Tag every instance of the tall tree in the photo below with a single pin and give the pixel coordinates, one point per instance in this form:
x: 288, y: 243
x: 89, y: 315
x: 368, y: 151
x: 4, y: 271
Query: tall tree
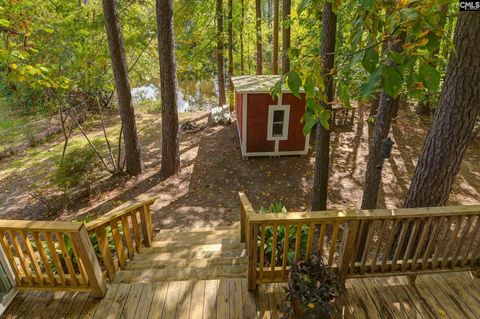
x: 381, y: 129
x: 276, y: 10
x: 230, y: 51
x: 220, y: 60
x: 120, y: 72
x: 168, y: 87
x: 242, y: 24
x: 258, y: 31
x: 454, y: 119
x: 322, y: 150
x: 287, y: 8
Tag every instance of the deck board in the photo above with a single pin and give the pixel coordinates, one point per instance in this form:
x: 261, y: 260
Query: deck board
x: 450, y: 295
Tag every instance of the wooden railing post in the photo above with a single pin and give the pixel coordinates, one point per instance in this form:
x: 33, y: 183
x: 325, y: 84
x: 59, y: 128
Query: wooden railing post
x: 90, y: 262
x: 347, y: 250
x: 242, y: 224
x: 147, y: 230
x: 252, y: 256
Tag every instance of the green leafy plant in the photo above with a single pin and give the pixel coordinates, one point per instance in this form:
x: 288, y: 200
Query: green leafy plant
x: 282, y: 238
x: 75, y: 169
x: 311, y: 288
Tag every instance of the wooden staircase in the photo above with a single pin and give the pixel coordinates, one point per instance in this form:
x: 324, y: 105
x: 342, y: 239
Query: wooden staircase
x: 207, y: 253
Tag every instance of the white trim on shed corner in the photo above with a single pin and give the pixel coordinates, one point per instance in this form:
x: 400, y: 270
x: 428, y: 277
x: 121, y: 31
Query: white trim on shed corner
x: 244, y: 124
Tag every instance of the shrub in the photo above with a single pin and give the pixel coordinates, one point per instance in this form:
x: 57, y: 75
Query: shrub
x: 75, y: 169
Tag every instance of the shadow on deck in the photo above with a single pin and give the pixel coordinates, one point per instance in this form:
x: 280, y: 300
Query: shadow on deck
x: 449, y: 295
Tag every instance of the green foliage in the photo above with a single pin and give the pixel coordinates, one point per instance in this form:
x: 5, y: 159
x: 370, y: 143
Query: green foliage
x: 274, y: 208
x: 279, y: 208
x: 75, y: 169
x: 312, y: 286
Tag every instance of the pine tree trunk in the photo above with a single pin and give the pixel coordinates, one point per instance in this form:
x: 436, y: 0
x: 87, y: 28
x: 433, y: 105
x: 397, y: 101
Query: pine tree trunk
x: 322, y: 151
x: 381, y: 129
x: 276, y: 10
x: 220, y: 74
x: 258, y: 29
x: 230, y: 51
x: 242, y: 22
x: 168, y: 87
x: 133, y: 157
x: 286, y: 7
x: 454, y: 119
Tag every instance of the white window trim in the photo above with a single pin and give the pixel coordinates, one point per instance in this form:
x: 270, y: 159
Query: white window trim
x: 286, y: 122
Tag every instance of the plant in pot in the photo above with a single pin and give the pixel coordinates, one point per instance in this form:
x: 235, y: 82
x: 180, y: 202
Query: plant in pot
x: 312, y: 287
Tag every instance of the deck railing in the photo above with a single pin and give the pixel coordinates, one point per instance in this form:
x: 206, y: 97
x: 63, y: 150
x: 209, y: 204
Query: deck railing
x: 74, y: 256
x: 51, y: 255
x: 397, y: 241
x: 124, y: 231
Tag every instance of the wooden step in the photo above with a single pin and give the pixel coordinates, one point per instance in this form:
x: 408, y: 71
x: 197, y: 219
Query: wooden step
x: 188, y: 254
x: 186, y: 263
x: 174, y: 274
x: 198, y: 235
x: 235, y: 226
x: 167, y: 246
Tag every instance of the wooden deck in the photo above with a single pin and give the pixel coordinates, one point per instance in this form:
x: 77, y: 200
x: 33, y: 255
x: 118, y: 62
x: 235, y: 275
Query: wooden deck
x: 449, y: 295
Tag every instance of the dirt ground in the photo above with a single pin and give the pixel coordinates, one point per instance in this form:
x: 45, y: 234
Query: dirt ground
x: 213, y: 171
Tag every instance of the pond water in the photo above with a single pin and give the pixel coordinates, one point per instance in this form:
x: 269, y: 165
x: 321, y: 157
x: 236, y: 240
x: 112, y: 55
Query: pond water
x: 191, y: 95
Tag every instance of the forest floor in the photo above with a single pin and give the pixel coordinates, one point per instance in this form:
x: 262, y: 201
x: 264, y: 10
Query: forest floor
x: 204, y: 193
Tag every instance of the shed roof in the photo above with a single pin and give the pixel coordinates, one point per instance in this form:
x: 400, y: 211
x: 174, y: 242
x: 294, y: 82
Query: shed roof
x: 255, y: 83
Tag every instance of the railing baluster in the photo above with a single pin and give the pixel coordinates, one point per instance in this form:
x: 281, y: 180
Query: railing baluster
x: 285, y: 250
x: 79, y: 261
x: 439, y: 250
x: 21, y: 256
x: 252, y: 257
x: 128, y: 237
x: 366, y: 248
x: 68, y: 260
x: 32, y: 256
x: 118, y: 244
x: 311, y: 230
x: 273, y: 260
x: 104, y: 246
x: 262, y: 252
x: 136, y: 231
x: 461, y: 241
x: 400, y: 245
x: 321, y: 239
x: 56, y: 261
x: 452, y: 241
x: 411, y: 240
x: 333, y: 243
x: 298, y: 241
x: 476, y: 230
x: 421, y: 241
x: 383, y: 229
x: 388, y: 246
x: 43, y: 256
x: 147, y: 229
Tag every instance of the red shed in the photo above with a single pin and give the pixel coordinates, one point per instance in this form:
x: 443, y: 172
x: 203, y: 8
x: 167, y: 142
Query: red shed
x: 268, y: 126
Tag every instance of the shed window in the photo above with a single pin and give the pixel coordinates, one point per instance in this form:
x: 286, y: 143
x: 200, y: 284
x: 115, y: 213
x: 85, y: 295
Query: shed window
x: 278, y: 116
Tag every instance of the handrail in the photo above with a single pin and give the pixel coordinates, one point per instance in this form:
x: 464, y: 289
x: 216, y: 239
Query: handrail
x: 124, y: 230
x: 51, y: 255
x: 397, y: 241
x: 374, y: 214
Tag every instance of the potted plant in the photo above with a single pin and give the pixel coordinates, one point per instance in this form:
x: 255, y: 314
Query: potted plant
x: 312, y: 287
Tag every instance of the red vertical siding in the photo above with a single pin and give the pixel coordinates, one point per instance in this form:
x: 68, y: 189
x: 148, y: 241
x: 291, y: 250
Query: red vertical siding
x: 257, y: 121
x: 296, y: 139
